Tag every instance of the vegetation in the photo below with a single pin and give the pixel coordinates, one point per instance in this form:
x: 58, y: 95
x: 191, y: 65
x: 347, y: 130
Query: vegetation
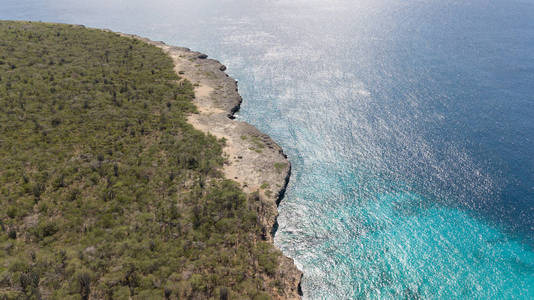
x: 257, y: 141
x: 106, y: 191
x: 280, y: 166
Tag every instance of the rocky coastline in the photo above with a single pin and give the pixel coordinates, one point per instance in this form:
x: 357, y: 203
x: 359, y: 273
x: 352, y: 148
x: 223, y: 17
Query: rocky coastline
x: 253, y: 159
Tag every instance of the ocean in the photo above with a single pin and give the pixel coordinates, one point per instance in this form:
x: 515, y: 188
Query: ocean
x: 409, y: 126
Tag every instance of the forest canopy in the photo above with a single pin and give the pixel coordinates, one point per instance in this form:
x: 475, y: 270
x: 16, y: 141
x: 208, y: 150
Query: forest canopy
x: 105, y: 190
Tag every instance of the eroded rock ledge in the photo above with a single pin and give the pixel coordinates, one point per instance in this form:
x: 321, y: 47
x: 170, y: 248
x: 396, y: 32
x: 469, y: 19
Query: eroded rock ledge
x: 254, y: 160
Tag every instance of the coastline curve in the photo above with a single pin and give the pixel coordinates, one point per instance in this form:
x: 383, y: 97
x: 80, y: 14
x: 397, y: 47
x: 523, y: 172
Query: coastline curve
x: 252, y: 158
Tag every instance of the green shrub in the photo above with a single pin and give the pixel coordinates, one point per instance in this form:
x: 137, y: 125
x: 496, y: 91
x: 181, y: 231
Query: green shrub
x: 109, y: 192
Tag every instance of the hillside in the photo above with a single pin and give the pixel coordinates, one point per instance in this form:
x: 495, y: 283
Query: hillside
x: 106, y: 190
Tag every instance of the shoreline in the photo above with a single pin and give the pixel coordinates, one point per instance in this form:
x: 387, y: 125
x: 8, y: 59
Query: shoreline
x: 253, y: 159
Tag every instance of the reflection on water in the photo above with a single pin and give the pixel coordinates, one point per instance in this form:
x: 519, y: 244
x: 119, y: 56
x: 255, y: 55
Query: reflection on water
x: 408, y: 124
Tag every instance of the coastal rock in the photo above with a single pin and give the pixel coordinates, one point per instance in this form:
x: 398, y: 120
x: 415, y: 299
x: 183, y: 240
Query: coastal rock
x: 262, y: 166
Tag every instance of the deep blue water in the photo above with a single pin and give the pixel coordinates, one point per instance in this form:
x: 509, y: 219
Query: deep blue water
x: 409, y: 124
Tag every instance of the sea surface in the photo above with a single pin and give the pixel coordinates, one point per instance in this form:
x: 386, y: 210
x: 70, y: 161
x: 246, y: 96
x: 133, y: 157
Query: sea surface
x: 409, y: 125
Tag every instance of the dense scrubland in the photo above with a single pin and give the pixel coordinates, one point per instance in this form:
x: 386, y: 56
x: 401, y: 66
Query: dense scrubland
x: 105, y: 190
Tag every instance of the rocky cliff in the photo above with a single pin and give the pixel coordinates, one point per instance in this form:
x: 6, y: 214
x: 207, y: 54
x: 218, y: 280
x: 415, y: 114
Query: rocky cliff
x: 253, y: 159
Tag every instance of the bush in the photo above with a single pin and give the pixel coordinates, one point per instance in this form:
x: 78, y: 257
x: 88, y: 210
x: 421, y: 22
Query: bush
x: 108, y: 191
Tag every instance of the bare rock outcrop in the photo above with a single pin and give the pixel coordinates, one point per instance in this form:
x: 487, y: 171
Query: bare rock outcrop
x: 253, y: 159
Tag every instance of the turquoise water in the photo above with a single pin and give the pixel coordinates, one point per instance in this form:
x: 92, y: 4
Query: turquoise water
x: 409, y: 125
